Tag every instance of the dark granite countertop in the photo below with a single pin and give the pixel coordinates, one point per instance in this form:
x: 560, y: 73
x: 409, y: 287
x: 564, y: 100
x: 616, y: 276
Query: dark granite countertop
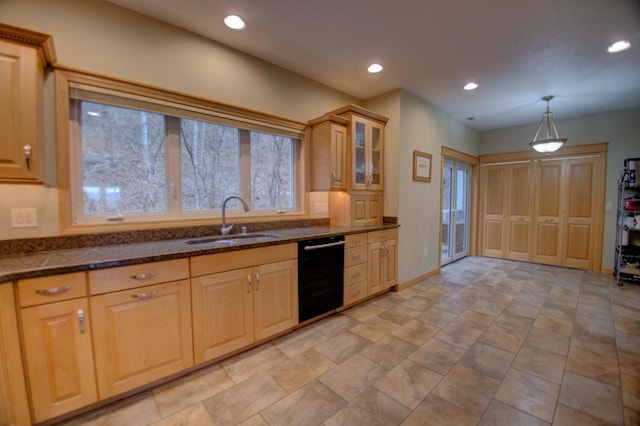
x: 14, y: 267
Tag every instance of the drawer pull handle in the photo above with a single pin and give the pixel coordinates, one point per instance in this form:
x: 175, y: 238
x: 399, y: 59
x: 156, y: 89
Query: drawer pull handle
x: 53, y: 291
x: 145, y: 295
x: 249, y: 280
x: 355, y: 293
x: 548, y: 220
x: 356, y: 275
x: 355, y: 257
x: 81, y: 320
x: 356, y: 241
x: 144, y: 277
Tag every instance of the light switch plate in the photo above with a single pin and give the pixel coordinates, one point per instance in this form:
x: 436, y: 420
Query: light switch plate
x: 24, y: 218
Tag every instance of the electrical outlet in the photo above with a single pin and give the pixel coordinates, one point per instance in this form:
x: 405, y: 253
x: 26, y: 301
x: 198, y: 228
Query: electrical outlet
x: 24, y: 218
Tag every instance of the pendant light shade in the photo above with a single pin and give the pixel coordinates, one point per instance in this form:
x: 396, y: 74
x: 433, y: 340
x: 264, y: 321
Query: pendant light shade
x: 551, y: 142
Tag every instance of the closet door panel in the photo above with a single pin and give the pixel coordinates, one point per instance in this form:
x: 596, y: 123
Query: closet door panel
x: 581, y: 213
x: 521, y: 192
x: 494, y: 211
x: 548, y: 212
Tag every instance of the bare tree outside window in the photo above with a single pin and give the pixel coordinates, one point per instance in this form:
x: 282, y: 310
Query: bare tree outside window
x: 271, y: 171
x: 123, y: 159
x: 209, y: 159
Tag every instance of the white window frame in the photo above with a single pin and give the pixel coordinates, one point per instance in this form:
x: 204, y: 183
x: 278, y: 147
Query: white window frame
x: 73, y: 85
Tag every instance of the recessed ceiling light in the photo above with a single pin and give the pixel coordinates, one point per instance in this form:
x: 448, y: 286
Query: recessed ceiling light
x: 234, y: 22
x: 93, y: 113
x: 374, y: 68
x: 470, y: 86
x: 619, y: 46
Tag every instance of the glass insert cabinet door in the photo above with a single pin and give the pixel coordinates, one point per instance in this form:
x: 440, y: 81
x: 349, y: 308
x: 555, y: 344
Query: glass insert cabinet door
x: 455, y: 211
x: 367, y: 155
x: 359, y: 159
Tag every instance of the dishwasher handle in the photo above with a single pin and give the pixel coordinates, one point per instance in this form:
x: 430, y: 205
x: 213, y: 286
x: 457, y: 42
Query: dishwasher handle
x: 321, y: 246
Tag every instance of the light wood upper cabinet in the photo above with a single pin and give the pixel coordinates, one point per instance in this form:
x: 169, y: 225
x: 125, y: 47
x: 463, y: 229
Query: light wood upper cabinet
x: 144, y: 334
x: 56, y: 333
x: 23, y: 56
x: 329, y: 147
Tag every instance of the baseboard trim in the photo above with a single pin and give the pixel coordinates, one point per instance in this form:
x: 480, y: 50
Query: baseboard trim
x: 417, y: 279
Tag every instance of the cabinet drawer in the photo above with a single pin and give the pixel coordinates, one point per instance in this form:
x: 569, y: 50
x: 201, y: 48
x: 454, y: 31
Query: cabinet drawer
x: 133, y: 276
x: 355, y: 255
x: 385, y: 234
x: 355, y: 273
x: 54, y: 288
x: 355, y: 292
x: 355, y: 240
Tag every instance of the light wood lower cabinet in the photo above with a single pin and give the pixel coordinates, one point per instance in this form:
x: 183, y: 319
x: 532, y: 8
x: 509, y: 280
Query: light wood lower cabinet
x: 144, y: 334
x: 14, y: 406
x: 355, y: 268
x: 57, y: 344
x: 383, y: 260
x: 234, y: 308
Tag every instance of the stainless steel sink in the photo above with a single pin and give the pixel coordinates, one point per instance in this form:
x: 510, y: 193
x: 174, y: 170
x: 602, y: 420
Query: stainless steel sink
x: 229, y: 240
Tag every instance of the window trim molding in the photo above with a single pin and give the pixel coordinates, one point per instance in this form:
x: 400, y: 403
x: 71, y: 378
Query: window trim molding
x: 66, y: 77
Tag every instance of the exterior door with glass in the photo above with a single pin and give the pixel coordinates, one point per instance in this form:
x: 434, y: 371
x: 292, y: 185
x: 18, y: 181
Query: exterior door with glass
x: 455, y: 211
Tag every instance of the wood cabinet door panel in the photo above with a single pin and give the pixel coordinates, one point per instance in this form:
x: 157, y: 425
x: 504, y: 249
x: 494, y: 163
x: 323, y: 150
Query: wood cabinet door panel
x: 59, y: 357
x: 20, y: 84
x: 222, y: 313
x: 578, y: 246
x: 275, y: 298
x: 492, y: 238
x: 338, y: 158
x: 143, y: 335
x: 548, y: 245
x: 519, y: 240
x: 390, y: 264
x: 375, y: 268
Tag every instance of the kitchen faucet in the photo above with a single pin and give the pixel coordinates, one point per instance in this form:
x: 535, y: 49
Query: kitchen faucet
x: 224, y: 229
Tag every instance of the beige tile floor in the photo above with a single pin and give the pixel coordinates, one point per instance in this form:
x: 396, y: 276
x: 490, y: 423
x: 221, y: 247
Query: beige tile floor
x: 488, y: 342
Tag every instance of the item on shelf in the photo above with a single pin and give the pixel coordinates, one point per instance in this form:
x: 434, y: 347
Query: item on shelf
x: 631, y: 174
x: 632, y: 204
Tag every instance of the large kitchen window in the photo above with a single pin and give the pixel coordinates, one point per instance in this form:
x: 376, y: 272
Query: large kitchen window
x: 136, y: 158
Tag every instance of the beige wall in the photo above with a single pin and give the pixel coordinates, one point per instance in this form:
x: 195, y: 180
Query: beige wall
x: 417, y: 125
x: 99, y: 37
x: 621, y: 129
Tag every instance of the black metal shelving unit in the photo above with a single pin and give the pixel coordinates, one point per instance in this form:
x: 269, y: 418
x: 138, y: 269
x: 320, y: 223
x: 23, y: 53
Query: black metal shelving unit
x: 627, y: 256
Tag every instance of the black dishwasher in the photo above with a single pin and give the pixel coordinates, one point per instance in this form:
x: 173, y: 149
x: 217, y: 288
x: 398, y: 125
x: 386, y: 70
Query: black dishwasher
x: 320, y: 275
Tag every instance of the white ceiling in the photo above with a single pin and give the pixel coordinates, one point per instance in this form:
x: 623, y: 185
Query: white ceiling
x: 517, y: 50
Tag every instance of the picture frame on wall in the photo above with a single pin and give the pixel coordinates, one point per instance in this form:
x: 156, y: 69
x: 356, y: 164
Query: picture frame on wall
x: 421, y: 166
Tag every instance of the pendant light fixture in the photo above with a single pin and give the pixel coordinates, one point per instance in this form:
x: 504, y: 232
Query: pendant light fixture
x: 552, y: 142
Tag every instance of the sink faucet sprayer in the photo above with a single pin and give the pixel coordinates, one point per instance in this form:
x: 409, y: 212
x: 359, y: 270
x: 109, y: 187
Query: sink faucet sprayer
x: 224, y: 229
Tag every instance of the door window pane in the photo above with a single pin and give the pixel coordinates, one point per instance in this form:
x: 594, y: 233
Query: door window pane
x: 123, y: 159
x: 446, y: 212
x: 209, y: 163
